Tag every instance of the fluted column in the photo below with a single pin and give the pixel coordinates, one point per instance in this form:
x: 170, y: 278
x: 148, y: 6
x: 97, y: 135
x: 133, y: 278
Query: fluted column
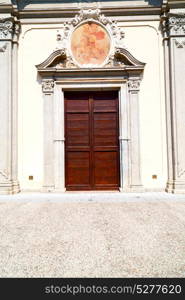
x: 15, y: 44
x: 8, y: 105
x: 174, y: 52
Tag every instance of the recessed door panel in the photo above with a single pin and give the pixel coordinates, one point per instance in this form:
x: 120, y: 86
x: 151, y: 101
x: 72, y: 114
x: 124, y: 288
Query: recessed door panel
x: 106, y: 169
x: 77, y: 126
x: 91, y: 140
x: 105, y: 129
x: 78, y: 173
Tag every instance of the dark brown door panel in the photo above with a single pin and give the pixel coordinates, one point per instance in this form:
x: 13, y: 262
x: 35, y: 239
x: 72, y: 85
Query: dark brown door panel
x: 91, y: 140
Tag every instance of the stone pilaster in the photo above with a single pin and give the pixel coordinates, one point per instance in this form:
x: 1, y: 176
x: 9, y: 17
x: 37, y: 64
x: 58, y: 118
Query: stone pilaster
x: 59, y: 139
x: 8, y: 106
x: 174, y: 52
x: 15, y: 40
x: 135, y: 159
x: 124, y: 138
x: 48, y: 90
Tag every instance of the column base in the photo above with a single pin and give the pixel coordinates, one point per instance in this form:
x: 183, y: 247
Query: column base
x: 9, y: 188
x: 48, y: 189
x: 52, y: 189
x: 59, y: 190
x: 133, y: 189
x: 16, y: 187
x: 175, y: 187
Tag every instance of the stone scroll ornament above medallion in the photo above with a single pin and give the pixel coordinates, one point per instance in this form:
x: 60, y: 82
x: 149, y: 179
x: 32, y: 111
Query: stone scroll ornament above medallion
x: 90, y: 40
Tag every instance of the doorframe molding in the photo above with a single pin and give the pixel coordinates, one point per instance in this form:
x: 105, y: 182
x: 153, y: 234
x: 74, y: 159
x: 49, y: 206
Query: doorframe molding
x: 53, y: 88
x: 121, y: 71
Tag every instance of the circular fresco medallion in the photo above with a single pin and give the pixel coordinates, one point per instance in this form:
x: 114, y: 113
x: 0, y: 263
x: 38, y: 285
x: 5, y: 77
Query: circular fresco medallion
x: 90, y: 44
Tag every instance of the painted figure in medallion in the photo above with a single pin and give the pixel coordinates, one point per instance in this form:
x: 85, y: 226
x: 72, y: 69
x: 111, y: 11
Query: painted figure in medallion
x: 90, y: 44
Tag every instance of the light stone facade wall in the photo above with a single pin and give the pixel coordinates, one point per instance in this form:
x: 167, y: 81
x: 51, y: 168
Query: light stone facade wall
x: 144, y: 41
x: 153, y: 111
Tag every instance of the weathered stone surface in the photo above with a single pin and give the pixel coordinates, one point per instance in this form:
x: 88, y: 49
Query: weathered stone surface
x: 115, y: 235
x: 8, y: 105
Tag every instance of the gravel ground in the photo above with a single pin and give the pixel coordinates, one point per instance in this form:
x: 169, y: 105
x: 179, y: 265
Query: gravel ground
x: 131, y: 238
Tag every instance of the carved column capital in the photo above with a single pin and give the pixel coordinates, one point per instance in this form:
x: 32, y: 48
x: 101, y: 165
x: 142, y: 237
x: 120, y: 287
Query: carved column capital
x: 9, y: 29
x: 16, y: 31
x: 134, y: 86
x: 173, y: 24
x: 164, y: 25
x: 48, y: 86
x: 176, y: 24
x: 6, y: 28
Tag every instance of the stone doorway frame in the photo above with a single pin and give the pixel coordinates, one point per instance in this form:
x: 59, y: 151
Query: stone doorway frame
x: 55, y: 83
x: 121, y: 71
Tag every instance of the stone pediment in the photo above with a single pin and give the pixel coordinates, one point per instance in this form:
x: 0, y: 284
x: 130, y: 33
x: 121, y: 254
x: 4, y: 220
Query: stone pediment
x: 90, y: 41
x: 122, y: 58
x: 56, y: 60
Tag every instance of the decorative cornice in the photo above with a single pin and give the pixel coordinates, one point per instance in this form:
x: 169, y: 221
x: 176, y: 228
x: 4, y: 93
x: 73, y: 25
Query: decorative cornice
x: 125, y: 9
x: 48, y: 86
x: 134, y: 85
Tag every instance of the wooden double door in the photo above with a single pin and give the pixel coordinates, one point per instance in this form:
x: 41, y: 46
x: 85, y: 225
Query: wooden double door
x: 91, y: 140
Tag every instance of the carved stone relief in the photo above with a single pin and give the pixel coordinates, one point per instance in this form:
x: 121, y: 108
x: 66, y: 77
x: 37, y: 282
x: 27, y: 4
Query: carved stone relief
x: 3, y: 48
x: 47, y: 86
x: 133, y: 85
x: 176, y: 24
x: 6, y: 28
x: 4, y: 176
x: 105, y: 42
x: 181, y: 172
x: 88, y: 17
x: 180, y: 44
x: 173, y: 24
x: 9, y: 28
